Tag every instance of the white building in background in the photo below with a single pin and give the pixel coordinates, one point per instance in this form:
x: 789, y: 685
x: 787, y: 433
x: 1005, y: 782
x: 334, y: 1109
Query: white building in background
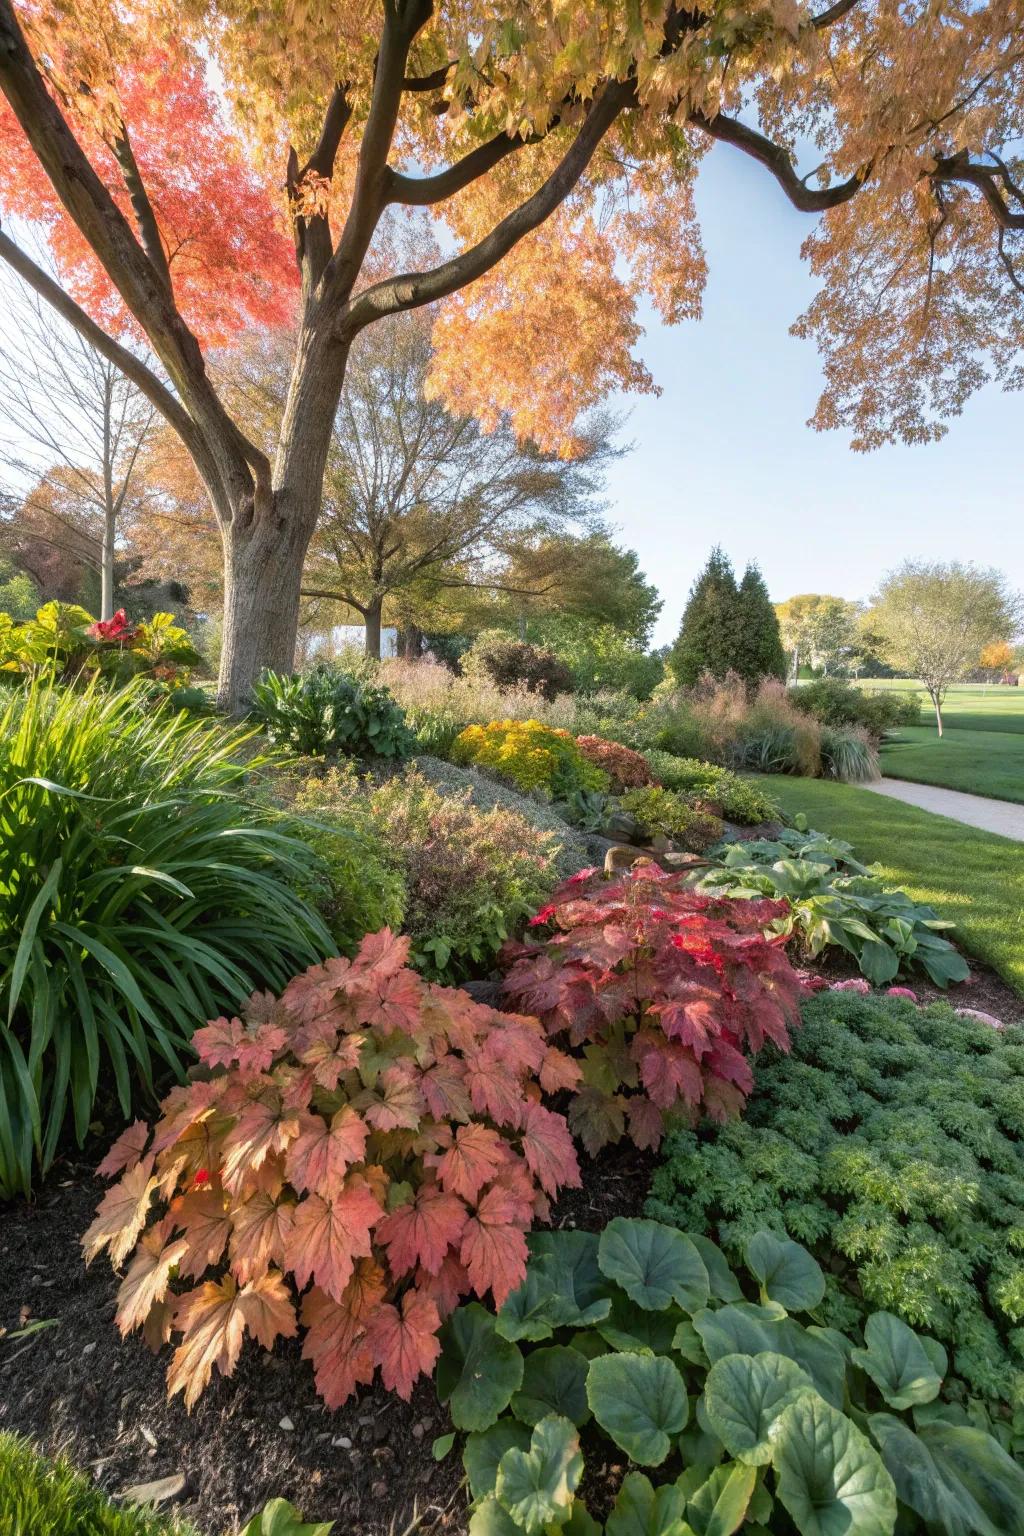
x: 352, y: 636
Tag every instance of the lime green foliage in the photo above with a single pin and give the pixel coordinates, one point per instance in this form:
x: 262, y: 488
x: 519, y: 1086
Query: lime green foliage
x: 19, y: 597
x: 600, y: 656
x: 725, y: 1410
x: 140, y: 894
x: 329, y: 712
x: 835, y: 900
x: 357, y: 885
x: 890, y: 1142
x: 533, y: 756
x: 44, y: 1498
x: 741, y: 800
x: 279, y: 1518
x: 972, y: 877
x: 670, y: 814
x: 65, y: 638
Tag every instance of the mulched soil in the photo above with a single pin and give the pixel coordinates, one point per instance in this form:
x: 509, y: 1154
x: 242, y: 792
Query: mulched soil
x: 78, y: 1389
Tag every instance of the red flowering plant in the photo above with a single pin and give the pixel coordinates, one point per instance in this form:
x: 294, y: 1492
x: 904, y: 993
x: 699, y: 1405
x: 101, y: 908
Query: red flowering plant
x: 662, y: 991
x: 115, y: 628
x: 353, y: 1158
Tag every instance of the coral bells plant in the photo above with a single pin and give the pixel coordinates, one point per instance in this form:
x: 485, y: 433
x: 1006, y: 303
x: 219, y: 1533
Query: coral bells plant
x: 625, y: 768
x: 664, y: 991
x: 354, y: 1158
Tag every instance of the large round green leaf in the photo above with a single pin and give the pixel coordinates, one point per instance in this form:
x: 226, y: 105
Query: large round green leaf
x: 719, y: 1507
x: 485, y: 1448
x: 724, y: 1285
x: 640, y: 1400
x: 926, y: 1484
x: 748, y: 1329
x: 787, y: 1272
x: 745, y: 1394
x: 631, y: 1327
x: 992, y: 1478
x: 489, y: 1519
x: 478, y: 1370
x: 829, y: 1476
x: 897, y: 1361
x: 654, y: 1264
x: 536, y: 1487
x: 554, y: 1381
x: 641, y: 1510
x: 564, y: 1287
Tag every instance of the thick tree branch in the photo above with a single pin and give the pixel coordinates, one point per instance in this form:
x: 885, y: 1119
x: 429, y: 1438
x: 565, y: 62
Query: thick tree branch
x: 423, y: 84
x: 422, y: 191
x: 314, y: 243
x: 145, y: 218
x: 959, y: 168
x: 833, y: 14
x: 776, y: 159
x: 412, y: 289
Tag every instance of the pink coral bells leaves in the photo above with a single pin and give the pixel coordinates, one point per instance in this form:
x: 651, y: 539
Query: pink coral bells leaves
x: 354, y: 1160
x: 666, y: 991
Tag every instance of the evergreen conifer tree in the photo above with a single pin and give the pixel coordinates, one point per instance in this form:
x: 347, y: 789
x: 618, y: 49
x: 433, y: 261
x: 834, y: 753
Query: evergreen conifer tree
x: 761, y: 652
x: 708, y: 639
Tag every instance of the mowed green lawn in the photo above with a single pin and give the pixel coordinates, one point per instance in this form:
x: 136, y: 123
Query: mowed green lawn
x: 980, y: 751
x: 972, y: 877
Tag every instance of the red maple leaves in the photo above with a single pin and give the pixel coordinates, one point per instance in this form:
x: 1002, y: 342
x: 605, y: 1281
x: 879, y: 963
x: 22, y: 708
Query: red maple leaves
x: 371, y: 1141
x: 666, y: 989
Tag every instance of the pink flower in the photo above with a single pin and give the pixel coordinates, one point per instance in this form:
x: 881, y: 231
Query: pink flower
x: 906, y: 992
x: 858, y: 984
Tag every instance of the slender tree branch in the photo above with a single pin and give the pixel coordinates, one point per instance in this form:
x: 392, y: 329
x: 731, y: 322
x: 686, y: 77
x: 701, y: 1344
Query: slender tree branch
x: 145, y: 218
x: 834, y: 13
x: 423, y: 84
x: 960, y: 168
x: 313, y: 241
x: 422, y: 191
x: 1007, y: 261
x: 776, y: 159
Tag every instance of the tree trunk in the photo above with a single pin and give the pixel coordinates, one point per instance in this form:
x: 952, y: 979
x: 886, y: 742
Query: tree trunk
x: 371, y: 615
x: 262, y: 576
x: 938, y: 711
x: 107, y: 562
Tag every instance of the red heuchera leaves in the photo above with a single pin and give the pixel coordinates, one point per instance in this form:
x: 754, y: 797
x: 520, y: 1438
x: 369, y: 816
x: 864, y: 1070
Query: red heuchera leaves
x: 625, y: 768
x: 363, y: 1153
x: 667, y: 991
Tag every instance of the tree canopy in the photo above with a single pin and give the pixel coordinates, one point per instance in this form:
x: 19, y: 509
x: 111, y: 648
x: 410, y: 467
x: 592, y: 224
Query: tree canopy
x: 559, y: 145
x: 935, y: 620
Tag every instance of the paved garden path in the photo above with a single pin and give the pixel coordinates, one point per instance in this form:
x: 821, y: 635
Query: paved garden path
x: 1000, y: 816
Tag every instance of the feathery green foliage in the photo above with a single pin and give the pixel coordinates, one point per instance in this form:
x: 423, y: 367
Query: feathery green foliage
x: 139, y: 896
x: 890, y: 1142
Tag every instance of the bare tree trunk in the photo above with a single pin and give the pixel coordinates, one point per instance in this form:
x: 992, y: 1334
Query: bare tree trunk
x: 107, y: 562
x: 262, y: 575
x: 371, y: 616
x: 938, y: 710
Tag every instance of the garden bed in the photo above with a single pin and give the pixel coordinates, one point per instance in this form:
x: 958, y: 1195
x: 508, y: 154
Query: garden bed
x: 77, y: 1388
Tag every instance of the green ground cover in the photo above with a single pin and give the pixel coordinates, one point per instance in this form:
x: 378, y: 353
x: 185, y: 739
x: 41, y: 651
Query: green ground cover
x: 44, y: 1498
x: 979, y: 762
x: 973, y: 877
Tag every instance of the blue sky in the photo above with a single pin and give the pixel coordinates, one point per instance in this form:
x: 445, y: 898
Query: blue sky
x: 724, y: 453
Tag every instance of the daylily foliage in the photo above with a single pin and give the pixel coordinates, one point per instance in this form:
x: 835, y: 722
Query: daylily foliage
x: 352, y: 1158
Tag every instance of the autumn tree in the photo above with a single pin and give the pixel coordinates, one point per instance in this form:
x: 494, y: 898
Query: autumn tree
x: 558, y: 144
x: 934, y: 620
x: 69, y: 455
x: 997, y: 657
x: 818, y: 629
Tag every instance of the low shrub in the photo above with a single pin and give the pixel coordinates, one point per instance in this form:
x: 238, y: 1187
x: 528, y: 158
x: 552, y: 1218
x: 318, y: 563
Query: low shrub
x: 602, y: 657
x: 832, y: 701
x: 45, y: 1498
x: 323, y: 712
x: 885, y: 931
x: 848, y: 753
x: 369, y: 1132
x: 67, y: 641
x: 737, y: 1413
x: 889, y: 1141
x: 510, y: 663
x: 664, y: 988
x: 740, y: 800
x: 531, y: 755
x: 140, y: 893
x: 672, y: 815
x: 625, y: 769
x: 471, y: 877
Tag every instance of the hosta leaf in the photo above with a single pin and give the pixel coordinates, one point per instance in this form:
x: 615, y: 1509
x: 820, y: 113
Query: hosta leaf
x: 484, y: 1450
x: 719, y: 1506
x: 536, y: 1487
x: 745, y: 1394
x: 641, y: 1510
x: 489, y: 1519
x: 828, y: 1475
x: 554, y: 1381
x: 925, y: 1483
x: 654, y: 1264
x: 478, y: 1370
x: 640, y: 1400
x: 787, y: 1273
x: 897, y: 1362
